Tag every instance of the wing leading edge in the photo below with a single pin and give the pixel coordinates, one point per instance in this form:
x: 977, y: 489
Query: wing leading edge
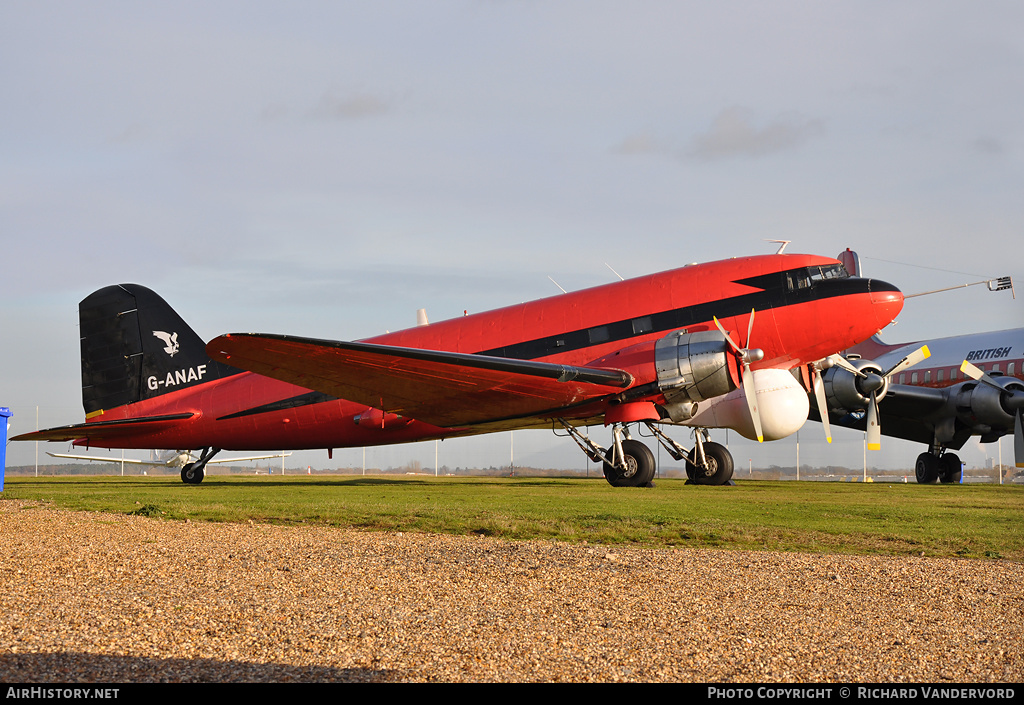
x: 445, y: 389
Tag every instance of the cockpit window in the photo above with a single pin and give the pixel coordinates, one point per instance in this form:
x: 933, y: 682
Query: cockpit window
x: 831, y: 271
x: 800, y: 279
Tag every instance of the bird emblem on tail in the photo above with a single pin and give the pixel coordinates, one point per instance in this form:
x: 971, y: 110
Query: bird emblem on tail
x: 170, y: 341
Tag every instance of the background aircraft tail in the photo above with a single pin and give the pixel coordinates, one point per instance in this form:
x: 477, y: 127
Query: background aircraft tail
x: 136, y: 347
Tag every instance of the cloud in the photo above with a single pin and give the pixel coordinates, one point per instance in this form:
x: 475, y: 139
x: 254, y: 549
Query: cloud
x: 733, y: 134
x: 334, y: 106
x: 641, y: 144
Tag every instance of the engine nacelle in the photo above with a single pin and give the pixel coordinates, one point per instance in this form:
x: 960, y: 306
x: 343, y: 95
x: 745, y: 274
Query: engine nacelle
x: 847, y: 392
x: 979, y: 405
x: 782, y: 404
x: 692, y: 367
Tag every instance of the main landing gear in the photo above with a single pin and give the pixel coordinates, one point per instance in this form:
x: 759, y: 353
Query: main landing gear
x: 630, y: 463
x: 938, y: 465
x: 194, y: 472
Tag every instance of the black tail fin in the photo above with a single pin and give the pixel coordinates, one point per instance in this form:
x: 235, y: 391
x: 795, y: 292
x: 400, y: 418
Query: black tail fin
x: 135, y: 347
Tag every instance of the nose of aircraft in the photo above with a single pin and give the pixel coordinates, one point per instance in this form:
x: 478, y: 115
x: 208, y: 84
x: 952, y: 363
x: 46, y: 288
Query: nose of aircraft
x: 887, y: 301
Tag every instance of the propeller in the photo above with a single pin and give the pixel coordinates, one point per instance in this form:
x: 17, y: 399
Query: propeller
x: 871, y: 383
x: 1016, y: 403
x: 819, y: 396
x: 746, y: 356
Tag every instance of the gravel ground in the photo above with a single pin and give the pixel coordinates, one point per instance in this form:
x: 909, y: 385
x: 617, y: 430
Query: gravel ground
x: 110, y: 598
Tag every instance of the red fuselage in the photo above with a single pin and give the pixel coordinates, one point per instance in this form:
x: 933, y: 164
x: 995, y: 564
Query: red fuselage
x: 801, y: 316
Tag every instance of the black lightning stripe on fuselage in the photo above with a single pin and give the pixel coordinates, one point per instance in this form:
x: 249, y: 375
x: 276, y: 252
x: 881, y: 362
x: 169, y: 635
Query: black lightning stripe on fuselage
x: 773, y: 293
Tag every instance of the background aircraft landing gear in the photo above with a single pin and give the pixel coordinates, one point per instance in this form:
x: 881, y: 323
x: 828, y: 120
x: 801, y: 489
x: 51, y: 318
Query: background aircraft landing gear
x: 926, y: 469
x: 950, y: 468
x: 932, y: 467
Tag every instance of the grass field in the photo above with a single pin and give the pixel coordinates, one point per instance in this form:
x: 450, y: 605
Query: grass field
x: 977, y: 521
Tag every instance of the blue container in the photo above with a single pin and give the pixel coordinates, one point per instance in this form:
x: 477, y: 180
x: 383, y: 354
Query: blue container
x: 5, y: 414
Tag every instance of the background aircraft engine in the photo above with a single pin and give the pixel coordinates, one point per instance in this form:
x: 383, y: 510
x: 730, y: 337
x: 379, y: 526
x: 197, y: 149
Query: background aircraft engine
x: 692, y: 367
x: 846, y: 391
x: 782, y: 402
x: 979, y: 405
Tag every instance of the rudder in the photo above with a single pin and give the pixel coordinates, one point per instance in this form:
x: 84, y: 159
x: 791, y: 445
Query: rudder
x: 136, y: 347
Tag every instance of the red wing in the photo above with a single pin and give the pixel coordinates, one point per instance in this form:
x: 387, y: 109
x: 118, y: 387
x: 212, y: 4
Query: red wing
x: 99, y: 431
x: 441, y: 388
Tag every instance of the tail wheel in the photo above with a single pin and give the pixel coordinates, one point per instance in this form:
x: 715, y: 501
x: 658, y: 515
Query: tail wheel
x: 639, y: 470
x: 926, y: 469
x: 192, y: 475
x: 719, y: 466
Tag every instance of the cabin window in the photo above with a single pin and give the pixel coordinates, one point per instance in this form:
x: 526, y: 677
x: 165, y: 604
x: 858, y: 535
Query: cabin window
x: 913, y: 378
x: 940, y: 376
x: 642, y: 325
x: 928, y: 377
x: 598, y: 335
x: 995, y: 367
x: 1009, y: 369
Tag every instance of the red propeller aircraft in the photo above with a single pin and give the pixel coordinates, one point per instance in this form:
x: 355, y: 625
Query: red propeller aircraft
x: 677, y: 347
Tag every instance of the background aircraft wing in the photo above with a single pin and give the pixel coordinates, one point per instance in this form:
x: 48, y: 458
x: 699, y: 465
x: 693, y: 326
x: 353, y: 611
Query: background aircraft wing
x: 905, y: 412
x: 441, y: 388
x: 98, y: 431
x: 107, y: 459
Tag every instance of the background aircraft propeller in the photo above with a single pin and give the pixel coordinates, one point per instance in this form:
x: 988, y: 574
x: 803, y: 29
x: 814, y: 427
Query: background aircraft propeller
x: 746, y: 356
x: 1014, y: 401
x: 871, y: 382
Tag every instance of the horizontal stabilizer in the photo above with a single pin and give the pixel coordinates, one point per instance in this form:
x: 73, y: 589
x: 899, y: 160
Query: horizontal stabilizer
x: 445, y: 389
x: 98, y: 431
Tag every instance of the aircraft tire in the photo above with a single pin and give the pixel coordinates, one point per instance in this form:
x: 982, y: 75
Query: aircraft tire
x: 720, y: 466
x: 639, y: 466
x: 927, y: 469
x: 192, y: 476
x: 950, y: 468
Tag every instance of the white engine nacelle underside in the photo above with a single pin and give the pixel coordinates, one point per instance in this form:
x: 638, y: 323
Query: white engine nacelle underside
x: 782, y: 404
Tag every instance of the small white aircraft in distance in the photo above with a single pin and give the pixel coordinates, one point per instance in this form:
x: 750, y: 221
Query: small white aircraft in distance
x: 176, y: 459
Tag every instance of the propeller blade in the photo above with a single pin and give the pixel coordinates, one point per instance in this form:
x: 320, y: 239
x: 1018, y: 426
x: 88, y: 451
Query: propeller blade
x: 841, y: 361
x: 736, y: 348
x: 1018, y: 440
x: 975, y: 372
x: 750, y: 327
x: 751, y: 394
x: 819, y: 396
x: 922, y: 353
x: 873, y: 429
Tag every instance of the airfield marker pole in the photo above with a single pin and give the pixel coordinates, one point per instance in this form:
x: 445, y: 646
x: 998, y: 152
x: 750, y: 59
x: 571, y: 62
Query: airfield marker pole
x: 37, y: 442
x: 5, y: 414
x: 798, y: 456
x: 865, y: 456
x: 999, y: 444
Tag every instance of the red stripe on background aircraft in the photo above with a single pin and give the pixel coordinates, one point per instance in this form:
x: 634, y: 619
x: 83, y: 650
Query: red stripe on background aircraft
x: 677, y: 347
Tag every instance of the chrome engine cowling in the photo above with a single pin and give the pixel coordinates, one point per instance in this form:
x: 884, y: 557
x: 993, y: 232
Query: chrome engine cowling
x: 692, y: 367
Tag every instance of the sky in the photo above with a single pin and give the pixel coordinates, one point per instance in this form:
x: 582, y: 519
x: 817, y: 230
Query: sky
x: 328, y: 168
